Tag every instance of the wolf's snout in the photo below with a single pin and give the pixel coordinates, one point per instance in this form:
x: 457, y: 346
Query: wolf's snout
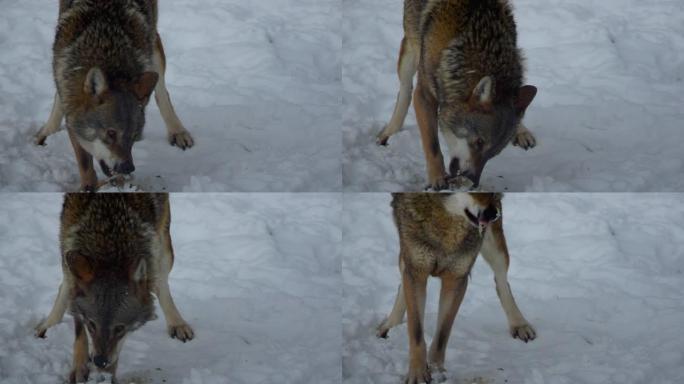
x: 490, y: 214
x: 125, y: 168
x: 456, y: 170
x: 100, y: 361
x: 472, y: 176
x: 454, y: 167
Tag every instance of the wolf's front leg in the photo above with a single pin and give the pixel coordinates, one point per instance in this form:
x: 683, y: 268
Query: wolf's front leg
x: 177, y: 327
x: 415, y: 290
x: 495, y: 252
x: 450, y: 298
x: 395, y: 317
x: 79, y: 372
x: 85, y: 165
x: 177, y: 134
x: 53, y: 124
x: 426, y: 115
x: 57, y: 312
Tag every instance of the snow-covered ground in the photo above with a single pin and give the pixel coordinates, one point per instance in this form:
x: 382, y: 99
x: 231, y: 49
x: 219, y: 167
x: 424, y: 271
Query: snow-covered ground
x: 256, y: 82
x: 601, y: 277
x: 608, y: 116
x: 257, y: 276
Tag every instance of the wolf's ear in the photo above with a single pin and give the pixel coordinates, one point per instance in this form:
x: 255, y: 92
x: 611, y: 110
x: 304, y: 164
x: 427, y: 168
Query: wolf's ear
x: 80, y: 266
x: 144, y: 85
x: 482, y: 95
x: 138, y: 271
x: 526, y: 94
x: 95, y: 83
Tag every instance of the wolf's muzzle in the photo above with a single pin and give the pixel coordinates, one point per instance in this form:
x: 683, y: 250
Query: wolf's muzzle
x: 125, y: 168
x: 100, y: 361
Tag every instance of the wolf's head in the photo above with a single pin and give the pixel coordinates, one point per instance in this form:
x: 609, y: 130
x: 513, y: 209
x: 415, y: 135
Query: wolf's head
x: 110, y: 118
x: 480, y: 209
x: 483, y: 129
x: 112, y: 301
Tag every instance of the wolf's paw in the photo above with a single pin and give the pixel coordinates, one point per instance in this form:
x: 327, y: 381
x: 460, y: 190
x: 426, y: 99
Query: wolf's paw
x: 182, y: 332
x: 40, y: 330
x: 524, y: 332
x: 382, y: 330
x: 182, y: 140
x: 524, y: 139
x: 438, y: 184
x: 79, y: 375
x: 383, y: 137
x: 39, y: 139
x: 438, y: 373
x: 417, y: 376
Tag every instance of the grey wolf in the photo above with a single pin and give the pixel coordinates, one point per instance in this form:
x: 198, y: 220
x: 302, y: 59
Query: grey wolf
x: 441, y: 235
x: 469, y: 85
x: 107, y: 60
x: 116, y: 252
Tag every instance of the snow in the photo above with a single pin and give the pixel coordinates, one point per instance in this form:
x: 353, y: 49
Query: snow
x: 600, y: 277
x: 257, y: 83
x: 608, y: 116
x: 257, y: 276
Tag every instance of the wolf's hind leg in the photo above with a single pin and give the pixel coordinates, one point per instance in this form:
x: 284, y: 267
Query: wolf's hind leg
x: 495, y: 252
x: 57, y: 312
x: 53, y: 124
x: 406, y: 68
x: 177, y: 134
x: 395, y: 317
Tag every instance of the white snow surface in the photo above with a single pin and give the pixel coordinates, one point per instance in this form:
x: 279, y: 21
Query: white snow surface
x: 257, y: 83
x: 257, y: 276
x: 608, y: 115
x: 600, y: 277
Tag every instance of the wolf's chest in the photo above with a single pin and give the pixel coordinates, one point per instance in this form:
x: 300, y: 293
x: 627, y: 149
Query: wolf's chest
x: 457, y: 257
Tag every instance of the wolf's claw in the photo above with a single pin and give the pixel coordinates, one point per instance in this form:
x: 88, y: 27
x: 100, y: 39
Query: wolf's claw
x: 40, y: 140
x: 524, y: 140
x: 181, y: 332
x: 40, y: 332
x: 182, y: 140
x: 382, y: 330
x: 523, y: 332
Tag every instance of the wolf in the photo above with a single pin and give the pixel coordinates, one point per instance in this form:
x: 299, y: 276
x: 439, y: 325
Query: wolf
x: 469, y: 85
x: 116, y: 252
x: 108, y: 58
x: 441, y: 235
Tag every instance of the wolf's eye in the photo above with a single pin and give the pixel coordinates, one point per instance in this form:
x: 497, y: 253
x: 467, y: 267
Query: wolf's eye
x: 479, y: 143
x: 119, y: 329
x: 111, y: 134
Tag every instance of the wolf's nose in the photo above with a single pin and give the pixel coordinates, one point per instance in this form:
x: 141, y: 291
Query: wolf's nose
x: 490, y: 214
x: 454, y: 167
x: 125, y: 168
x: 100, y: 361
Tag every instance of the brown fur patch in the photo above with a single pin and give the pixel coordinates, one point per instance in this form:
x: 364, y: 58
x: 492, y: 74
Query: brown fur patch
x: 144, y: 85
x: 80, y: 267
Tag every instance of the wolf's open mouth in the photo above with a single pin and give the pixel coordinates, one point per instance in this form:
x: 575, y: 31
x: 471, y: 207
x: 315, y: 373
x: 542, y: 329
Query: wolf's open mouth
x: 473, y: 219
